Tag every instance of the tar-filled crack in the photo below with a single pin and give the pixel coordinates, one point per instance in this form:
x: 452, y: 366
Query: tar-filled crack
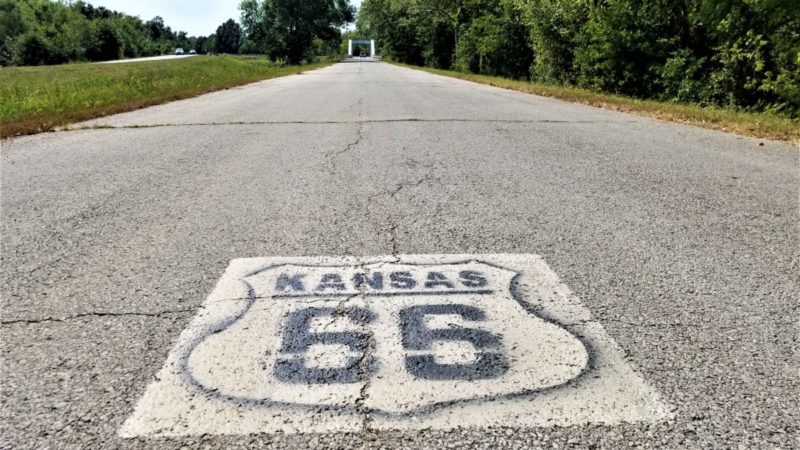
x: 340, y: 309
x: 393, y: 240
x: 363, y: 371
x: 159, y: 314
x: 661, y: 324
x: 364, y: 365
x: 391, y: 194
x: 335, y: 122
x: 645, y: 325
x: 400, y: 186
x: 330, y: 156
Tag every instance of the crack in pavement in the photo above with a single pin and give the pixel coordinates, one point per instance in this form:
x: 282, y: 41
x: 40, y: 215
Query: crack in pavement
x: 159, y: 314
x: 339, y: 310
x: 332, y: 154
x: 363, y: 371
x: 410, y: 184
x: 677, y: 324
x: 363, y: 366
x: 393, y: 239
x: 392, y: 194
x: 336, y: 122
x: 598, y: 320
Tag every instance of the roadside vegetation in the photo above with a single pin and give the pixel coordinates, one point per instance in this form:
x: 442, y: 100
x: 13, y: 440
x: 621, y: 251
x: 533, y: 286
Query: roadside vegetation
x: 48, y: 32
x: 41, y: 98
x: 295, y: 30
x: 45, y: 46
x: 45, y: 32
x: 712, y: 62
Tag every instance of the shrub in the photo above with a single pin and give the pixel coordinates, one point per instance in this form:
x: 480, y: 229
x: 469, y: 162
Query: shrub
x: 34, y: 50
x: 105, y: 43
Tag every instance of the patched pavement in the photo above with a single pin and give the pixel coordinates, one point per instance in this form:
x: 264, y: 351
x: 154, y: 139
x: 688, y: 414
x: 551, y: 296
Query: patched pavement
x: 368, y: 256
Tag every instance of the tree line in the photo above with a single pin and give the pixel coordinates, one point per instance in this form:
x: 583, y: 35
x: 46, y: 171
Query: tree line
x: 296, y: 30
x: 732, y: 53
x: 37, y: 32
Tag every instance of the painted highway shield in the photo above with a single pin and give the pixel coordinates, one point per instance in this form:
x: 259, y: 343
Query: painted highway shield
x: 347, y: 344
x: 414, y: 336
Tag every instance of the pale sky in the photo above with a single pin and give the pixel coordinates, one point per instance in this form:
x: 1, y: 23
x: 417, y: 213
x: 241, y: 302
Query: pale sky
x: 196, y: 17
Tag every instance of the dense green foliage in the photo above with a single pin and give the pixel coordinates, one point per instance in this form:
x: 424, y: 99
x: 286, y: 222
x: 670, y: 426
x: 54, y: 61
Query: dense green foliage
x: 38, y: 98
x: 732, y: 53
x: 37, y: 32
x: 229, y: 37
x: 294, y: 30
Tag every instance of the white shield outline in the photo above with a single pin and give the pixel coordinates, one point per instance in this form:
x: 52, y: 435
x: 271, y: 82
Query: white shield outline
x: 514, y: 292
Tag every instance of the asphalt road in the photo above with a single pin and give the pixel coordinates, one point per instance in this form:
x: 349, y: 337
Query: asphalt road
x: 147, y: 58
x: 681, y: 242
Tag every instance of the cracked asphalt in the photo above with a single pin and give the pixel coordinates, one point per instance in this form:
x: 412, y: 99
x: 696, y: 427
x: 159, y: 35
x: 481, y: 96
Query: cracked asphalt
x: 682, y: 242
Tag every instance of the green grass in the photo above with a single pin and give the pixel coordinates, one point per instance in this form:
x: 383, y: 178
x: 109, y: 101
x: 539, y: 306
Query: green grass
x: 34, y: 99
x: 764, y: 125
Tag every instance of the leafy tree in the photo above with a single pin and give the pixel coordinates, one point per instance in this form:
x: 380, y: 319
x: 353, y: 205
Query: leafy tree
x: 211, y: 43
x: 394, y: 24
x: 200, y: 45
x: 106, y: 44
x: 288, y: 29
x: 12, y: 22
x: 736, y: 53
x: 754, y: 49
x: 182, y: 40
x: 34, y: 50
x: 447, y: 16
x: 157, y: 29
x: 52, y: 32
x: 554, y: 27
x: 229, y: 36
x: 495, y: 42
x: 12, y: 26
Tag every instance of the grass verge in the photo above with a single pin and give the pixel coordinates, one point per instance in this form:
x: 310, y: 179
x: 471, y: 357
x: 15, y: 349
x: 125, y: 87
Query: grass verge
x: 745, y: 123
x: 35, y: 99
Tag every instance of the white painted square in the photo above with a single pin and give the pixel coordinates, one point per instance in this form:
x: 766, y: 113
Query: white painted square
x: 316, y: 344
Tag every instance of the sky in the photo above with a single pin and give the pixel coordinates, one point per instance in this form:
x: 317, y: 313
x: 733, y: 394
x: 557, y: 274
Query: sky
x: 196, y: 17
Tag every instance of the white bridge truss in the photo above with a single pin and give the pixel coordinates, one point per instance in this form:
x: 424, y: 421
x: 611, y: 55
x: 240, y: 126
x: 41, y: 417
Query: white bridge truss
x: 351, y: 42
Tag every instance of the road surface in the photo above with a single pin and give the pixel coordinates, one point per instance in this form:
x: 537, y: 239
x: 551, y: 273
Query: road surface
x: 147, y: 58
x: 682, y: 244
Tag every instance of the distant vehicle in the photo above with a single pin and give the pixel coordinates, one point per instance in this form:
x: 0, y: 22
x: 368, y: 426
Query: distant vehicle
x: 178, y: 51
x: 192, y: 52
